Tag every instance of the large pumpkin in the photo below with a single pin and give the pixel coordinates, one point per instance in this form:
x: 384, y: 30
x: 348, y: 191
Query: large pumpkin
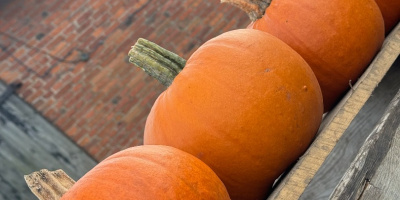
x: 246, y: 104
x: 337, y: 38
x: 391, y: 13
x: 149, y: 172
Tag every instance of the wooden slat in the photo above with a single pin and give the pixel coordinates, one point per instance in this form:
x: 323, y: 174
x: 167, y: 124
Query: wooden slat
x: 12, y: 188
x: 375, y: 172
x: 29, y: 143
x: 36, y: 131
x: 17, y: 148
x: 337, y: 121
x: 344, y: 152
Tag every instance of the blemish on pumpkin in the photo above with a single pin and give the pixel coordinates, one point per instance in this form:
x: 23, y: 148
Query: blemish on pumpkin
x: 267, y: 70
x: 288, y: 96
x: 200, y: 155
x: 305, y: 88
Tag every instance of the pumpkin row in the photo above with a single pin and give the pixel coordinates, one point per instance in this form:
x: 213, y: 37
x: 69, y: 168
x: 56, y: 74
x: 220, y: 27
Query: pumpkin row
x: 247, y: 104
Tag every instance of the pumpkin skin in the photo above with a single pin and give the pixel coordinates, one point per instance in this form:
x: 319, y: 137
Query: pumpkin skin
x: 149, y: 172
x: 337, y: 38
x: 246, y: 104
x: 390, y: 10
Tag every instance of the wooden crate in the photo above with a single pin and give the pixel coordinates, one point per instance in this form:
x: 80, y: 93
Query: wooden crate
x: 337, y: 121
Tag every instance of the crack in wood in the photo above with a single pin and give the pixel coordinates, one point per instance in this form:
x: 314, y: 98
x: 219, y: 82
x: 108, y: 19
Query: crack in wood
x: 364, y: 188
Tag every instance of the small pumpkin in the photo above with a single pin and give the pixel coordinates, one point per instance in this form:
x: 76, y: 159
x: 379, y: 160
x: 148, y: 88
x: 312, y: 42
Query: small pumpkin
x: 337, y: 38
x: 246, y: 104
x: 149, y: 172
x: 391, y: 13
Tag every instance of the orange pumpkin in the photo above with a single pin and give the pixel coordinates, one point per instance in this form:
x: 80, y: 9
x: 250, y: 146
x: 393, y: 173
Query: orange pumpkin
x: 246, y: 104
x: 149, y: 172
x: 337, y: 38
x: 391, y: 13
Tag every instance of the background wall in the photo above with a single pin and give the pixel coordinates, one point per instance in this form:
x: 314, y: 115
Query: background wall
x: 71, y: 57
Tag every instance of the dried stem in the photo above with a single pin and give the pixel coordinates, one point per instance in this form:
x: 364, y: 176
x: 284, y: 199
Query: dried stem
x: 254, y: 8
x: 47, y: 185
x: 156, y: 61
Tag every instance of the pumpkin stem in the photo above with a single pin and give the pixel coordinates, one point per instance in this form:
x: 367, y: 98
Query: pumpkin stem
x: 156, y: 61
x: 49, y: 185
x: 254, y: 8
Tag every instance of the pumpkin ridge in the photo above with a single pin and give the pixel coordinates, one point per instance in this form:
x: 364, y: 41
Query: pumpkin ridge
x: 144, y: 159
x: 161, y: 166
x: 161, y: 172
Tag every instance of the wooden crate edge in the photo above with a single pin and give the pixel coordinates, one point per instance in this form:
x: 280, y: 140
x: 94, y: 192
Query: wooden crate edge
x: 337, y: 121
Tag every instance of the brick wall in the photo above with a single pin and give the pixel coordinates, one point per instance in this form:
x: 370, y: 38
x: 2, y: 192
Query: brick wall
x: 100, y: 103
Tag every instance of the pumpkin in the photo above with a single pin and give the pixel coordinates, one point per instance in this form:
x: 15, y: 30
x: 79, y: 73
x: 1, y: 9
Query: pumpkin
x: 149, y: 172
x: 337, y: 38
x: 246, y: 104
x: 391, y: 13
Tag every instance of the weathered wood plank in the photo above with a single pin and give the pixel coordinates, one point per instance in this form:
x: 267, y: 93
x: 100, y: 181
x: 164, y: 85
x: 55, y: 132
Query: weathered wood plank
x: 339, y: 160
x: 24, y: 153
x: 20, y: 156
x: 337, y: 121
x: 29, y: 143
x: 375, y: 172
x: 38, y: 130
x: 10, y: 187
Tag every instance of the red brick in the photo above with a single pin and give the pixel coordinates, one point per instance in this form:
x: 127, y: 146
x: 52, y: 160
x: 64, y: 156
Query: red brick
x: 94, y: 150
x: 66, y: 87
x: 109, y: 57
x: 9, y: 76
x: 103, y: 153
x: 102, y: 20
x: 83, y: 17
x: 80, y: 94
x: 67, y: 124
x: 52, y: 114
x: 38, y: 104
x: 71, y: 38
x: 86, y: 35
x: 98, y: 32
x: 57, y: 86
x: 55, y: 42
x: 83, y: 141
x: 110, y: 95
x: 61, y: 17
x: 34, y: 96
x: 72, y: 131
x: 136, y: 142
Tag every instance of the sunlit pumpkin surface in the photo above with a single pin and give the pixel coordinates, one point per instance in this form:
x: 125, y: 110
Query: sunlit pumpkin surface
x: 150, y: 172
x: 246, y: 104
x: 337, y: 38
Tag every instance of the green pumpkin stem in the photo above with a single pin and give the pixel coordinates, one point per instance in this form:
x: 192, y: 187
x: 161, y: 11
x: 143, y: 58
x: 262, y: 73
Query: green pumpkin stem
x: 254, y: 8
x: 156, y: 61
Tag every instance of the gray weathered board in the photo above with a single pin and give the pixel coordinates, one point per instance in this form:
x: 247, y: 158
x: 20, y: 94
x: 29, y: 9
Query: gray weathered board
x: 338, y: 161
x: 29, y: 143
x: 375, y: 172
x: 296, y: 183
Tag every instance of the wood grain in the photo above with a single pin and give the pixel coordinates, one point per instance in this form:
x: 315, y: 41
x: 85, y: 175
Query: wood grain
x: 28, y: 143
x: 375, y: 172
x: 49, y: 185
x: 339, y: 160
x: 337, y: 121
